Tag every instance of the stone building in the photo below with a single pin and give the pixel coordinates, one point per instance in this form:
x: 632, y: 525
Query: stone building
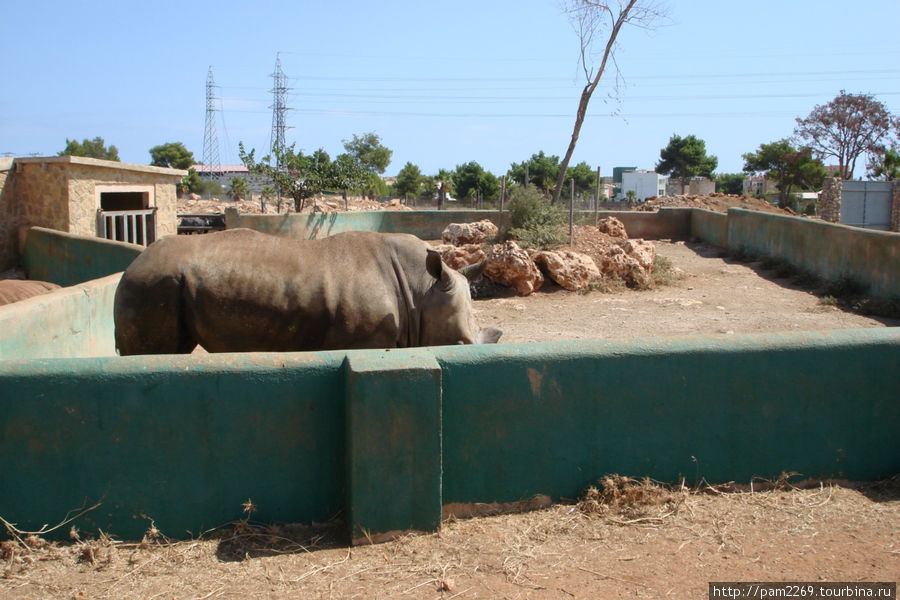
x: 86, y: 196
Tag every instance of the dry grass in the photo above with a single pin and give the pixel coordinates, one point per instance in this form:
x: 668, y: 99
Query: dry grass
x: 625, y: 538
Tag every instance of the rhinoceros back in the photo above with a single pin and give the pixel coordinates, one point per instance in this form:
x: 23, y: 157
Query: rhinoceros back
x: 241, y: 290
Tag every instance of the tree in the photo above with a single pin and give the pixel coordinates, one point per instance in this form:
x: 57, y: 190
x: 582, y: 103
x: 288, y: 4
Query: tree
x: 533, y: 220
x: 730, y: 183
x: 787, y: 166
x: 470, y: 179
x: 268, y: 192
x: 191, y: 182
x: 238, y: 188
x: 173, y: 155
x: 298, y: 176
x: 588, y: 17
x: 542, y: 171
x: 370, y: 152
x: 885, y: 165
x: 444, y: 182
x: 585, y: 177
x: 347, y: 174
x: 409, y: 179
x: 94, y: 148
x: 845, y: 128
x: 685, y: 157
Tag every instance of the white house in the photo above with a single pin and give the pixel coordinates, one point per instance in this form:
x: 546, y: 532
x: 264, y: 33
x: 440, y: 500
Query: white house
x: 644, y: 184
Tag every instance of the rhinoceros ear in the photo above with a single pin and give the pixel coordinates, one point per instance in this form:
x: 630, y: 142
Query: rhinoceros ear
x: 438, y: 270
x: 473, y: 272
x: 433, y: 263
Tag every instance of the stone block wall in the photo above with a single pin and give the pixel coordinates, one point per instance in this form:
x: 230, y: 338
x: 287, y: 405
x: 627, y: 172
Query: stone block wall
x: 895, y: 207
x: 61, y: 193
x: 7, y: 237
x: 830, y: 200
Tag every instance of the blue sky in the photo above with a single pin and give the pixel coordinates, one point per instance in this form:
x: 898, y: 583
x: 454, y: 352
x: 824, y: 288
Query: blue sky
x: 441, y: 83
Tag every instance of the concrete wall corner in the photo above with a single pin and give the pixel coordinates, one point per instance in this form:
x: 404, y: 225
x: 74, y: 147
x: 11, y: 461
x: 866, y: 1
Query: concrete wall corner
x: 394, y: 468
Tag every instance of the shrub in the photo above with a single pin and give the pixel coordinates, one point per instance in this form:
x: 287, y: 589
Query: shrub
x: 533, y: 221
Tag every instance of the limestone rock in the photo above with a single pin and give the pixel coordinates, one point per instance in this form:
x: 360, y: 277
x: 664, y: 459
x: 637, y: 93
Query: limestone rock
x: 613, y: 227
x: 460, y: 234
x: 642, y: 251
x: 458, y: 257
x: 509, y: 265
x: 617, y: 262
x: 572, y: 270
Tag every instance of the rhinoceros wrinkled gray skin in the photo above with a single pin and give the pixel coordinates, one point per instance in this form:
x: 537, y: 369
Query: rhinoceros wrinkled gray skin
x: 244, y: 291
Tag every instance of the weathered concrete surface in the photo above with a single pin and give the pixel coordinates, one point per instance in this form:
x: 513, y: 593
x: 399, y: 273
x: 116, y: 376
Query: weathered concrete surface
x: 827, y: 249
x: 71, y: 322
x: 68, y: 259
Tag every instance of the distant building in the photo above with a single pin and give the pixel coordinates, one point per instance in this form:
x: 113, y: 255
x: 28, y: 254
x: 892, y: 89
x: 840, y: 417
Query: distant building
x: 757, y: 184
x: 85, y: 196
x: 644, y: 184
x: 695, y: 186
x: 618, y: 171
x: 225, y: 173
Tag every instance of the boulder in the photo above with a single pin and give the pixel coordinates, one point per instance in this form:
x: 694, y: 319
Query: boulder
x: 616, y: 262
x: 511, y: 266
x: 458, y: 257
x: 460, y: 234
x: 642, y: 251
x: 613, y: 227
x: 572, y: 270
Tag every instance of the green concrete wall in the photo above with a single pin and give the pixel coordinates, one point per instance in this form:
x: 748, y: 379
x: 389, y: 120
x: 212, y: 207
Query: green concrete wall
x: 710, y: 226
x: 426, y: 224
x: 72, y: 322
x: 526, y: 419
x: 180, y: 440
x: 68, y: 259
x: 186, y: 440
x: 667, y: 223
x: 830, y: 250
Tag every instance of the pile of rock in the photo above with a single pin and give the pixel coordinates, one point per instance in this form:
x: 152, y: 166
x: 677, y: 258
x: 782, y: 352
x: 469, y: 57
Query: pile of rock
x: 602, y: 251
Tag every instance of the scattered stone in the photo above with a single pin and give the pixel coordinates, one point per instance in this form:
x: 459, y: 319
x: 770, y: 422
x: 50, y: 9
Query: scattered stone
x: 572, y: 270
x: 460, y: 234
x: 511, y: 266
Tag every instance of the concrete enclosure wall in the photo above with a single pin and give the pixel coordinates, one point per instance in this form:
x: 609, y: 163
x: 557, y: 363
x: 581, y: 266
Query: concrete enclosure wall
x: 428, y: 224
x: 829, y: 250
x: 67, y: 259
x: 391, y: 436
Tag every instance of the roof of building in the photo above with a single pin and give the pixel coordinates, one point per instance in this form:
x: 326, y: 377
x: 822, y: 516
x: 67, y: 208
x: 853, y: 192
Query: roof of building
x: 97, y: 162
x: 221, y: 169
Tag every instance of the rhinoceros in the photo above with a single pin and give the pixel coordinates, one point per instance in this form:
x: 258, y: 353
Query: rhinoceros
x: 243, y: 291
x: 14, y: 290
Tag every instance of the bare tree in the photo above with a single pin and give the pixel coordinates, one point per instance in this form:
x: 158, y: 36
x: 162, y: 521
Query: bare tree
x: 845, y: 128
x: 590, y: 19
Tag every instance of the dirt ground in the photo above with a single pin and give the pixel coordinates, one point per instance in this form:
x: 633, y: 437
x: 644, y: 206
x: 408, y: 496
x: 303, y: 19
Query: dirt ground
x: 714, y: 295
x: 662, y: 544
x: 669, y: 546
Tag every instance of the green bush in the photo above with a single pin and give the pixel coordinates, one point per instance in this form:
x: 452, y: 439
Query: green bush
x: 533, y: 221
x: 208, y: 187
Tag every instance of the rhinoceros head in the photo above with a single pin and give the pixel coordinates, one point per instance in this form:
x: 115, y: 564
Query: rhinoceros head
x: 447, y: 307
